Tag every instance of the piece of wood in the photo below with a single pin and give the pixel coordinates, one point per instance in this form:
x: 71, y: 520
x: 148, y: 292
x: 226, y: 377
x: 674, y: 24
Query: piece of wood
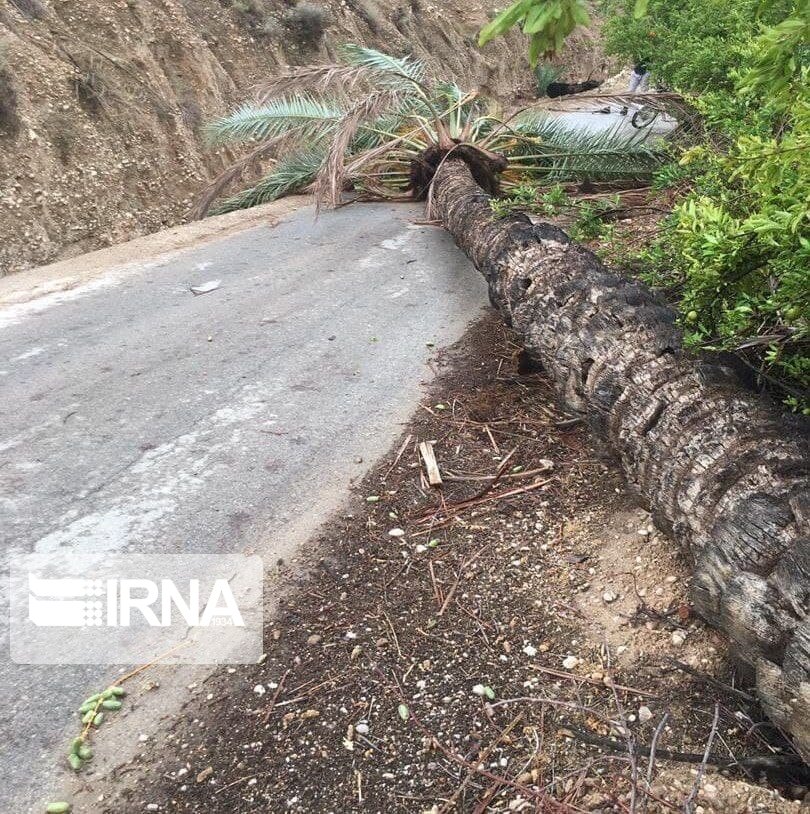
x: 431, y: 465
x: 722, y: 469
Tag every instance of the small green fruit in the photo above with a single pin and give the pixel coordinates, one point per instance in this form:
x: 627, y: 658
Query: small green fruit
x: 692, y: 316
x: 85, y: 752
x: 111, y: 703
x: 98, y: 719
x: 75, y: 762
x: 118, y: 692
x: 89, y: 715
x: 59, y: 807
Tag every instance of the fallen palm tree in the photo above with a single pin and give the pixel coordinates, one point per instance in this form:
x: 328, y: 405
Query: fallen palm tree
x: 379, y: 125
x: 719, y: 467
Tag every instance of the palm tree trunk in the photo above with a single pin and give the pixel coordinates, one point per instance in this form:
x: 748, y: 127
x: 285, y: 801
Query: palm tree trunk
x: 719, y: 467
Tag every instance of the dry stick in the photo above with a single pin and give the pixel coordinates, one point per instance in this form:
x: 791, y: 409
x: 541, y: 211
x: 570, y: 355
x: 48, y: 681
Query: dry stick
x: 450, y: 475
x: 688, y: 805
x: 453, y: 587
x: 484, y: 802
x: 492, y: 440
x: 525, y: 790
x: 436, y: 590
x: 478, y: 499
x: 595, y: 681
x: 653, y: 746
x: 272, y: 705
x: 630, y: 739
x: 453, y: 507
x: 128, y: 676
x: 480, y: 760
x: 707, y: 679
x: 399, y: 455
x: 394, y: 634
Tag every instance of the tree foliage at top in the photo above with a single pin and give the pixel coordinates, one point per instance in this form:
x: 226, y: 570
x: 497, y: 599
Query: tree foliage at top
x: 736, y: 251
x: 547, y: 23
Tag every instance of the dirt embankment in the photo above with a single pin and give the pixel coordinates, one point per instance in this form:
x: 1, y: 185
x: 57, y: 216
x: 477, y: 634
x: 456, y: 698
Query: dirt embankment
x: 102, y: 102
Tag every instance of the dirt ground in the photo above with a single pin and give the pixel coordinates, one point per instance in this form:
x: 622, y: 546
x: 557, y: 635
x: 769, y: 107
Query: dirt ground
x: 510, y: 643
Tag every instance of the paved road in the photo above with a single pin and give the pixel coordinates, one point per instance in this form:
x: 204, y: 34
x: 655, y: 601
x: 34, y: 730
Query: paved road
x: 135, y: 414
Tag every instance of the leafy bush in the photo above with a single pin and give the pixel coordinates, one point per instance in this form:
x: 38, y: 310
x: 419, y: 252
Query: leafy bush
x: 30, y: 9
x: 307, y: 23
x: 9, y: 119
x: 544, y: 75
x: 735, y: 253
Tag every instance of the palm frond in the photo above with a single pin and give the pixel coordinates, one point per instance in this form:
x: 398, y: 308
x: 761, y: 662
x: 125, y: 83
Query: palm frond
x: 294, y: 173
x: 233, y: 174
x: 392, y: 70
x: 275, y: 118
x: 319, y: 78
x: 330, y: 180
x: 547, y: 146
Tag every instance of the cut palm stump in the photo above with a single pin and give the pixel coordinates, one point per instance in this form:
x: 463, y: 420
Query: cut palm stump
x: 719, y: 467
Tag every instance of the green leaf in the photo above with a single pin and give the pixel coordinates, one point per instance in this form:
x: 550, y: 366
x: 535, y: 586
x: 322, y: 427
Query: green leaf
x: 504, y: 21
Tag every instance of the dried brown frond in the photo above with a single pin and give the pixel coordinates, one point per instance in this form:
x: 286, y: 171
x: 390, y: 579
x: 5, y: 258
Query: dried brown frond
x: 314, y: 77
x: 330, y: 180
x: 360, y: 160
x: 235, y: 172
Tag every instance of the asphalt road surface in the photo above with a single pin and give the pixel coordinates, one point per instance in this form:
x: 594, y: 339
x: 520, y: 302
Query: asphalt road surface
x: 137, y: 416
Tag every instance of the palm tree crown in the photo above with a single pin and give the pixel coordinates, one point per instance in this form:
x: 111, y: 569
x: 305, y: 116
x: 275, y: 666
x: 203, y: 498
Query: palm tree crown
x: 378, y: 124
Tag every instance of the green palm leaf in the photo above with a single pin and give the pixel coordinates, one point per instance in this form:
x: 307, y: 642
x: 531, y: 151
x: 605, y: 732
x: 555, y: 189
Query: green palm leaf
x: 396, y: 70
x: 292, y: 174
x: 301, y: 112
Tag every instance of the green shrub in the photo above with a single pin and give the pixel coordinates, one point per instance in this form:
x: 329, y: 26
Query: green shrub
x: 9, y: 119
x: 735, y: 252
x: 307, y: 23
x: 30, y: 9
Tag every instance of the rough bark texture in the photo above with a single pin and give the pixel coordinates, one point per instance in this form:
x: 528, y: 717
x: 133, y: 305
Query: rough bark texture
x: 719, y: 467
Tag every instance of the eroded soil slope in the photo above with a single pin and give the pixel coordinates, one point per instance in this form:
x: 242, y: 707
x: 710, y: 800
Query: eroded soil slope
x: 102, y: 101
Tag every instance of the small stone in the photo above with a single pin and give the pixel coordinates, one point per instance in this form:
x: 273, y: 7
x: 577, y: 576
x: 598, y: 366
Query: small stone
x: 570, y: 662
x: 530, y: 651
x: 361, y: 728
x: 259, y: 689
x: 479, y: 689
x: 205, y: 774
x: 643, y: 533
x: 396, y: 532
x: 644, y: 714
x: 678, y: 638
x: 314, y: 639
x: 609, y: 596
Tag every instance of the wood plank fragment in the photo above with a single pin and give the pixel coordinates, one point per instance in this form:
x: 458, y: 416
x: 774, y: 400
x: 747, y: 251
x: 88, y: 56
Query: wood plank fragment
x: 431, y: 465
